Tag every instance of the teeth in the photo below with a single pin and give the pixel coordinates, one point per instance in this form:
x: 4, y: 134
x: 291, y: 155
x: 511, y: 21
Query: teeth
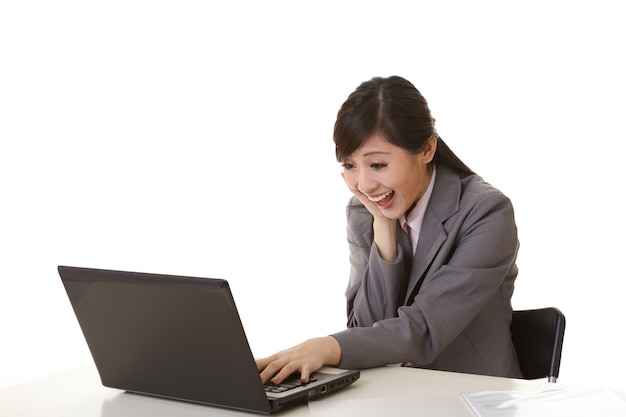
x: 379, y: 197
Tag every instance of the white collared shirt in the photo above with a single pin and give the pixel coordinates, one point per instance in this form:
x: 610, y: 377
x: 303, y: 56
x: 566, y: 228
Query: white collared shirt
x: 416, y: 216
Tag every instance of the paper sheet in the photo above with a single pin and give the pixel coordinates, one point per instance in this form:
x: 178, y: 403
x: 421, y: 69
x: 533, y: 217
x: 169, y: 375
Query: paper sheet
x: 567, y: 402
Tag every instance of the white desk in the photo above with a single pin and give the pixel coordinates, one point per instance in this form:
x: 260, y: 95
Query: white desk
x: 79, y: 393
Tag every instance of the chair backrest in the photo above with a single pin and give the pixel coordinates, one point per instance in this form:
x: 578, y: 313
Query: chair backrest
x: 538, y: 340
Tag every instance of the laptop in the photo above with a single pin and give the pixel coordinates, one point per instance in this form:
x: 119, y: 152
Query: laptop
x: 180, y: 338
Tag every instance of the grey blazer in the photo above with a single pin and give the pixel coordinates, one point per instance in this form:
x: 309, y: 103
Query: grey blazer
x: 449, y: 306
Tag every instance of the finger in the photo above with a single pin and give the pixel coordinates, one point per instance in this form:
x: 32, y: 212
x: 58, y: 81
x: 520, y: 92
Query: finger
x: 305, y: 375
x: 271, y: 370
x: 262, y: 363
x: 284, y: 373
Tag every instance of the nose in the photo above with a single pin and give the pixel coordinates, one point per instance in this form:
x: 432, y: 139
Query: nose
x: 367, y: 183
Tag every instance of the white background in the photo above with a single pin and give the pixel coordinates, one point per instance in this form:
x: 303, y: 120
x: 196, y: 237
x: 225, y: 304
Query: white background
x: 195, y: 137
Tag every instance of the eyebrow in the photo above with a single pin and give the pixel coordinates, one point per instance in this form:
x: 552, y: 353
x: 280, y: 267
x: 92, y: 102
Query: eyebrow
x: 376, y: 153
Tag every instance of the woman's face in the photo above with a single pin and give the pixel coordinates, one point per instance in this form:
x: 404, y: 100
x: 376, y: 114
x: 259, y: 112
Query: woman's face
x: 389, y: 178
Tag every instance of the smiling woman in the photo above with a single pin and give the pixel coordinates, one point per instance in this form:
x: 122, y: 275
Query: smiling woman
x: 433, y: 248
x: 388, y: 176
x: 386, y: 126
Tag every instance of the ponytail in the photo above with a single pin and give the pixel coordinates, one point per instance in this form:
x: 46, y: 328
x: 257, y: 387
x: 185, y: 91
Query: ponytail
x: 445, y: 156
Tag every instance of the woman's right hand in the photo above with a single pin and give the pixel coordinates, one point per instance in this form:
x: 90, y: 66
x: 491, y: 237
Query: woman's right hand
x: 384, y: 227
x: 369, y: 205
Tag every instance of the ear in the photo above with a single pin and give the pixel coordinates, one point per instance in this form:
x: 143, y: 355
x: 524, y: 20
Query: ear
x: 428, y: 151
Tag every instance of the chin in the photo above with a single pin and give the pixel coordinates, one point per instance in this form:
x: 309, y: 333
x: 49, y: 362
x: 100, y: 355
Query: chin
x: 392, y: 213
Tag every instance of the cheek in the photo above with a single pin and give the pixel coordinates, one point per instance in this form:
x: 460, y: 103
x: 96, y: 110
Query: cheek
x: 392, y: 180
x: 350, y: 179
x: 403, y: 188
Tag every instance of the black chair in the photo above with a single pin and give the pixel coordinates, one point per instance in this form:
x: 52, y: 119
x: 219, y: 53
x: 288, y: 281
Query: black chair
x: 538, y: 340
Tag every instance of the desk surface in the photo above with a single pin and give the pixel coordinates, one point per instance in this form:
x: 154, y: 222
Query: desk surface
x: 79, y: 392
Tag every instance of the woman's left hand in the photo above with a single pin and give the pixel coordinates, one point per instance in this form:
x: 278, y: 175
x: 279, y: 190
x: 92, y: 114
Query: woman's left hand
x: 305, y: 358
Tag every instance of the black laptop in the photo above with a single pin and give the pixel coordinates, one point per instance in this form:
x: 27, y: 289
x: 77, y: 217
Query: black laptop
x: 179, y: 338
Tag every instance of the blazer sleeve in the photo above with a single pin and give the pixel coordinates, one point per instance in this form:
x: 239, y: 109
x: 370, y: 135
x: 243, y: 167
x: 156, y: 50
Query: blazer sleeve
x: 474, y: 267
x: 376, y: 287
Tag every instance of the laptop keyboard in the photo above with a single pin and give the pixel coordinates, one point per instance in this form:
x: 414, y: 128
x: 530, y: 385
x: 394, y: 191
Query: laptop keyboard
x: 287, y: 385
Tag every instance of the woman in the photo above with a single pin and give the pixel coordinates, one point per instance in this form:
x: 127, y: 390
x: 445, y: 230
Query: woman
x: 432, y: 249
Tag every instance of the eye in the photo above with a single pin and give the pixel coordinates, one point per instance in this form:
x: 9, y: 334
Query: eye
x: 347, y: 166
x: 378, y: 166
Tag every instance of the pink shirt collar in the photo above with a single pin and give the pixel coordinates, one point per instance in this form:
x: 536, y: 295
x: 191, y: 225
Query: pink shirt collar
x: 416, y: 216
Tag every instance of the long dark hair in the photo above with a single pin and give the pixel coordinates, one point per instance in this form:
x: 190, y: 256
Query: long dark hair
x: 394, y: 108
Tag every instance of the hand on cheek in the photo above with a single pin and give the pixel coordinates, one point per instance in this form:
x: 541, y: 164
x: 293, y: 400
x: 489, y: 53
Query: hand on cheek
x: 370, y: 205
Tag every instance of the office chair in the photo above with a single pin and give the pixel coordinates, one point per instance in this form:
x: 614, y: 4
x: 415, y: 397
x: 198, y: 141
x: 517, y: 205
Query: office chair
x: 538, y: 340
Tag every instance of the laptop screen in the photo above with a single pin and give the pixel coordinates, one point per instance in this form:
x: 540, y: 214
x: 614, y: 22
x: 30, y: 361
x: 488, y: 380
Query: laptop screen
x: 176, y: 337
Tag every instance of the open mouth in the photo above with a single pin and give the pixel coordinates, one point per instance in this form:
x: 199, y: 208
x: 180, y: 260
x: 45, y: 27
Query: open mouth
x: 382, y: 199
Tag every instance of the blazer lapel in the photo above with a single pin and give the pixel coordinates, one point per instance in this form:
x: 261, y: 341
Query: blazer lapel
x: 444, y: 202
